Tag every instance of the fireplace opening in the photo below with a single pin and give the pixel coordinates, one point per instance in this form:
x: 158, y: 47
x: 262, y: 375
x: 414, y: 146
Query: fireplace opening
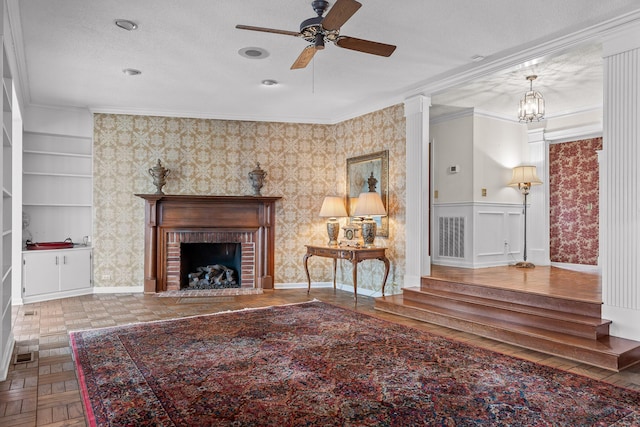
x: 210, y: 265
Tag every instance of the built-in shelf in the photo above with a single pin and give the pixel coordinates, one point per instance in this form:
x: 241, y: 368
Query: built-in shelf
x: 6, y: 88
x: 60, y: 205
x: 6, y: 204
x: 57, y: 153
x: 6, y: 271
x: 67, y: 175
x: 57, y: 183
x: 6, y: 137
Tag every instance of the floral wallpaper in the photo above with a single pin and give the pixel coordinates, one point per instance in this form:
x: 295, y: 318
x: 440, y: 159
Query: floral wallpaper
x: 304, y: 163
x: 574, y: 201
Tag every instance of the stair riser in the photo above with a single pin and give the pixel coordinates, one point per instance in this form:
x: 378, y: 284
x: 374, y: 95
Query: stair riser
x: 602, y: 360
x: 551, y: 322
x: 516, y: 297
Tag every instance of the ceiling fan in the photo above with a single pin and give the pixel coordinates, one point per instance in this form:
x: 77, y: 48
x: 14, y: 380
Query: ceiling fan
x: 319, y: 29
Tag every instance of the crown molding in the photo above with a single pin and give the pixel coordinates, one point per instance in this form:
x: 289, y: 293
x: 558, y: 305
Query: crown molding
x: 529, y: 54
x: 17, y: 58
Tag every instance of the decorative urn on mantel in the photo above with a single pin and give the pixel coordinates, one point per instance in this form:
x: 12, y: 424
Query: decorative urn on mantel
x: 159, y: 173
x: 256, y: 177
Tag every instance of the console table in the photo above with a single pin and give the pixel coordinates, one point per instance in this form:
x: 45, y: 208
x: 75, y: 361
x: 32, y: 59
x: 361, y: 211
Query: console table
x: 355, y: 255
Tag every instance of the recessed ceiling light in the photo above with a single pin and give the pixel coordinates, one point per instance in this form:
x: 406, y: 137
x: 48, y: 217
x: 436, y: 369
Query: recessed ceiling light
x: 131, y: 72
x: 253, y: 52
x: 125, y: 24
x: 269, y: 82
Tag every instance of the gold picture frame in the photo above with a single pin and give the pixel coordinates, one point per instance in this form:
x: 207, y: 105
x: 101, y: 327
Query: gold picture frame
x: 359, y: 169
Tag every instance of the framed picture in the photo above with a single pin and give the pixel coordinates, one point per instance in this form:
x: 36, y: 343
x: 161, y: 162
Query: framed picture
x: 359, y: 170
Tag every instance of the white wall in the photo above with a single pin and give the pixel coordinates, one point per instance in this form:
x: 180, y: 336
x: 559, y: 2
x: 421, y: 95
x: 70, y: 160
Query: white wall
x: 59, y: 121
x: 498, y: 146
x: 453, y: 145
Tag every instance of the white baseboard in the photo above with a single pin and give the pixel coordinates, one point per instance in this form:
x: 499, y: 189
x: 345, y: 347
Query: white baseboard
x: 118, y: 290
x: 316, y: 285
x: 57, y: 295
x: 595, y: 269
x: 303, y: 285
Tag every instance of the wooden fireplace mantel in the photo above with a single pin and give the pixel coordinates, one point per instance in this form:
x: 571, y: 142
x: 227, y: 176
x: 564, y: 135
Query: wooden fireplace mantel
x: 195, y: 213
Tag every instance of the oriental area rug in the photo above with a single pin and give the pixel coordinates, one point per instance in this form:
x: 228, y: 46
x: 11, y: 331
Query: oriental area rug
x: 314, y: 364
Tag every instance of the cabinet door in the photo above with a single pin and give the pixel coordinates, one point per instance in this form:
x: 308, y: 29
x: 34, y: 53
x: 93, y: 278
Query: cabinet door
x: 75, y: 270
x: 40, y: 273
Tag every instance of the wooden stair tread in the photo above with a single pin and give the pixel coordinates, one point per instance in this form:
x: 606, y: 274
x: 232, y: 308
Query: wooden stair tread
x: 609, y: 345
x: 499, y: 288
x: 511, y: 306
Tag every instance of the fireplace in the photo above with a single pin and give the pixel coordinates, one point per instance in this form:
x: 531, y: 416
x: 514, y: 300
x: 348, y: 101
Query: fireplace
x: 175, y: 222
x: 210, y: 265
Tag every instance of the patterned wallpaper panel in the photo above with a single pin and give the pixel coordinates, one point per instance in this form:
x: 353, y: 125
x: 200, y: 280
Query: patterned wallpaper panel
x: 574, y: 201
x: 304, y: 162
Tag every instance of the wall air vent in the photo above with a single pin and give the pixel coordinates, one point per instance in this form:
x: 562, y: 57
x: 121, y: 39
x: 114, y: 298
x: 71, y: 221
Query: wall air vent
x: 451, y: 237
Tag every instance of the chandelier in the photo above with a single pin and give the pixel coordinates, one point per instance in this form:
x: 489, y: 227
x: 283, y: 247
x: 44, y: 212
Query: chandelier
x: 532, y: 104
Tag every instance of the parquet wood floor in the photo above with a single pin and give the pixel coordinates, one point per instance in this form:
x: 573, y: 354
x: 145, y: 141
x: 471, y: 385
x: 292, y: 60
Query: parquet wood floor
x: 45, y: 392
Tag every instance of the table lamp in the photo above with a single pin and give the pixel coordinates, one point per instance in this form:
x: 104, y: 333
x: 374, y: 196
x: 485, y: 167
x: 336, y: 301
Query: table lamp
x: 333, y: 207
x: 369, y: 204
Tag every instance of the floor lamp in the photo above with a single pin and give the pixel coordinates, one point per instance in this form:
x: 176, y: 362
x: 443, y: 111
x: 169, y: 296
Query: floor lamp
x: 524, y: 177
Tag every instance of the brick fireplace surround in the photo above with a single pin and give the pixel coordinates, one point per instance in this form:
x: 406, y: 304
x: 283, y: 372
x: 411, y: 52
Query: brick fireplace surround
x: 174, y: 219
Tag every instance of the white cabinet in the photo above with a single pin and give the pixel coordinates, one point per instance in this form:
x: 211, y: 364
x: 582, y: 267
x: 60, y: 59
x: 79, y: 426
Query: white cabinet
x: 56, y: 273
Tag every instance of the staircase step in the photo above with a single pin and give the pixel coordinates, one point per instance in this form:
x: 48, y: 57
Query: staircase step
x: 608, y: 352
x: 508, y: 311
x: 575, y: 306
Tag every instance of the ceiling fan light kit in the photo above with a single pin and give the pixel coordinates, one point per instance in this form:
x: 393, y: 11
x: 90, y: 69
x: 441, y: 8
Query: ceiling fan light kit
x: 320, y: 30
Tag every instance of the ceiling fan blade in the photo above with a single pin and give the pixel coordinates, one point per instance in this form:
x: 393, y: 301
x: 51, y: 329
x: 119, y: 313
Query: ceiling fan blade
x: 339, y: 13
x: 304, y: 58
x: 365, y: 46
x: 268, y: 30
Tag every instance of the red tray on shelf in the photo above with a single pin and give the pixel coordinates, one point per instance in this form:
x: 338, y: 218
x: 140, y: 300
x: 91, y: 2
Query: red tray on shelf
x: 49, y: 245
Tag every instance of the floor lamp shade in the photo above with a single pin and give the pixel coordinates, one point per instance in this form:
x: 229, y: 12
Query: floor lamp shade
x: 524, y: 177
x: 369, y: 204
x: 333, y: 207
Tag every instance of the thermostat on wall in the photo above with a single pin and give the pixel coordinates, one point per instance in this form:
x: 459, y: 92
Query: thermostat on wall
x: 454, y: 169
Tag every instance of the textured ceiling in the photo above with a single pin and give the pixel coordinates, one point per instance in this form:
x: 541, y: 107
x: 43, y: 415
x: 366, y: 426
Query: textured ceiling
x: 72, y: 55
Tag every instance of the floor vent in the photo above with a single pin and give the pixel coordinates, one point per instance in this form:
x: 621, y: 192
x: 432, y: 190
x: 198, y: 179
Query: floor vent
x: 451, y: 236
x: 23, y: 358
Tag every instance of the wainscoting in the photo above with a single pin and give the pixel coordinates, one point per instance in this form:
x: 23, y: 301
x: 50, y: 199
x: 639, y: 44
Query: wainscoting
x: 477, y: 234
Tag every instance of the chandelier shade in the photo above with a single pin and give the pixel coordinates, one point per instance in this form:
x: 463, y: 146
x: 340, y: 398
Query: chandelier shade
x: 532, y: 104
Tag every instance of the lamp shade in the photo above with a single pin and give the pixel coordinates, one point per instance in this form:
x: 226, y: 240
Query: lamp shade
x: 369, y: 204
x: 524, y: 175
x: 333, y: 207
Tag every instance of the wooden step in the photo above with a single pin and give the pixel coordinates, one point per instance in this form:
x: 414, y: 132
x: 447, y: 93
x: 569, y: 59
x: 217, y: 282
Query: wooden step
x: 567, y: 305
x: 606, y: 352
x: 509, y: 311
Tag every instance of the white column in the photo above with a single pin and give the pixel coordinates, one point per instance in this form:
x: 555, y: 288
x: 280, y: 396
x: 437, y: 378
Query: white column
x: 418, y: 261
x: 620, y: 185
x: 538, y: 210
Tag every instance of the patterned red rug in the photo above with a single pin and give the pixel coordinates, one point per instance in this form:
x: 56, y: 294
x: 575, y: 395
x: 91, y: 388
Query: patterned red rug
x: 314, y: 364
